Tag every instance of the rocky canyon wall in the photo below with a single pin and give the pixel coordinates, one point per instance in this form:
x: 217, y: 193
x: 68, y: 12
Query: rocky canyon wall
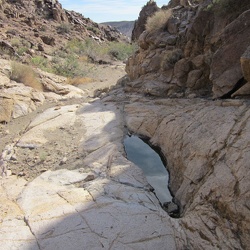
x: 202, y: 50
x: 196, y: 53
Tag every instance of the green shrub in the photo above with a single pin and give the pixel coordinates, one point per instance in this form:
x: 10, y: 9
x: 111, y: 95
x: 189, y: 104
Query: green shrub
x: 26, y: 75
x: 64, y: 28
x: 158, y: 20
x: 121, y: 51
x: 21, y: 45
x: 93, y: 29
x: 40, y: 62
x: 100, y: 51
x: 68, y: 67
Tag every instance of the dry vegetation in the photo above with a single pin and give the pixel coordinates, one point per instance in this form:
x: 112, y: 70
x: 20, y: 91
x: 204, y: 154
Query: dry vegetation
x: 79, y: 80
x: 158, y: 20
x: 26, y: 75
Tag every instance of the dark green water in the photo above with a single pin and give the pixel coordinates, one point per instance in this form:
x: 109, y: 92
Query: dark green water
x: 141, y: 154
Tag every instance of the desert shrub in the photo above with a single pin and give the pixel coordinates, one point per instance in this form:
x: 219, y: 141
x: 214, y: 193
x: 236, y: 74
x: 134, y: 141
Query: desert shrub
x: 77, y: 46
x: 64, y: 28
x: 40, y: 62
x: 100, y: 51
x: 15, y: 42
x: 158, y: 20
x: 121, y: 51
x: 93, y: 29
x: 21, y: 45
x: 26, y: 75
x: 68, y: 67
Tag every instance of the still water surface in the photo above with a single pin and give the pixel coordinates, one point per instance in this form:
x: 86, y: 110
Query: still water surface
x: 141, y: 154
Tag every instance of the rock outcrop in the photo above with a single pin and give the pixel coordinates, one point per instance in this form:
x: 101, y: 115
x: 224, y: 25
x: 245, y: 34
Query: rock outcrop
x: 96, y: 198
x: 17, y: 100
x: 206, y: 147
x: 105, y: 202
x: 196, y: 54
x: 148, y: 10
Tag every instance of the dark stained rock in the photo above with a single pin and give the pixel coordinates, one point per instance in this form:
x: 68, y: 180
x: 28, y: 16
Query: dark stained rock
x: 148, y: 10
x: 211, y: 44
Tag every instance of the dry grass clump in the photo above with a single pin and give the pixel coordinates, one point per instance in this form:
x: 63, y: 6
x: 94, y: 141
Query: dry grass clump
x: 158, y: 20
x: 26, y: 75
x: 79, y: 80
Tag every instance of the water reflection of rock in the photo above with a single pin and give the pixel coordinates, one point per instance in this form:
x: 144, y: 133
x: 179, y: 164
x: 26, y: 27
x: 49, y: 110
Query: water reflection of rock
x: 150, y: 162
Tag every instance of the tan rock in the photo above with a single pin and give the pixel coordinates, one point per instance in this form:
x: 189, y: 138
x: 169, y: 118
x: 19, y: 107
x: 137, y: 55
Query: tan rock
x: 245, y: 64
x: 6, y: 108
x: 207, y: 159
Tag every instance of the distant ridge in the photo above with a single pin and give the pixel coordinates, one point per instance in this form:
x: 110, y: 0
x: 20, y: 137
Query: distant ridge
x: 125, y: 27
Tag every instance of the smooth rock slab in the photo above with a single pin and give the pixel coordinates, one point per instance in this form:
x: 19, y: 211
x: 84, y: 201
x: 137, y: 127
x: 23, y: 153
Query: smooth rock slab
x: 114, y: 209
x: 101, y: 214
x: 206, y: 144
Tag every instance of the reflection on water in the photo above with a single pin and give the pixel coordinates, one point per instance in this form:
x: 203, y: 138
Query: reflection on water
x: 150, y: 162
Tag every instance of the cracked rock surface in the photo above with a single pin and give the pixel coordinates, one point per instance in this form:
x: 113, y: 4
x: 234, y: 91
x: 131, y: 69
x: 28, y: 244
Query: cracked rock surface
x: 104, y: 203
x: 92, y: 197
x: 206, y: 144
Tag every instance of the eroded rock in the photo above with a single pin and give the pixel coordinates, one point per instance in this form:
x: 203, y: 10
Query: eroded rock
x: 207, y: 41
x: 207, y: 159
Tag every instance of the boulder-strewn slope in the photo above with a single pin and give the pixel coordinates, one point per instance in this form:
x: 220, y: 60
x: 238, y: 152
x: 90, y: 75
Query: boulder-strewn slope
x: 196, y: 52
x: 43, y: 25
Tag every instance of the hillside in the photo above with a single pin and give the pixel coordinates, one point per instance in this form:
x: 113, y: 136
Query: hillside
x: 125, y: 27
x: 43, y: 28
x: 191, y: 49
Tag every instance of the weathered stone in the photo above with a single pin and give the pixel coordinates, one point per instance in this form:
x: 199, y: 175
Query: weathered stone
x: 245, y: 64
x: 225, y: 67
x: 172, y: 25
x: 48, y: 40
x: 207, y: 161
x: 193, y: 77
x: 207, y: 40
x: 92, y: 206
x: 181, y: 70
x: 148, y: 10
x: 6, y: 108
x: 48, y: 121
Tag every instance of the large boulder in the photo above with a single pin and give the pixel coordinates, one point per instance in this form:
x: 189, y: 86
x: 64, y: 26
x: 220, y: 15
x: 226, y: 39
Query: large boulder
x: 226, y: 66
x: 245, y: 64
x: 6, y: 108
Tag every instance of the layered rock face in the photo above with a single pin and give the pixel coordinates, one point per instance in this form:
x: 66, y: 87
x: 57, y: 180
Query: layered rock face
x: 196, y: 53
x: 18, y: 100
